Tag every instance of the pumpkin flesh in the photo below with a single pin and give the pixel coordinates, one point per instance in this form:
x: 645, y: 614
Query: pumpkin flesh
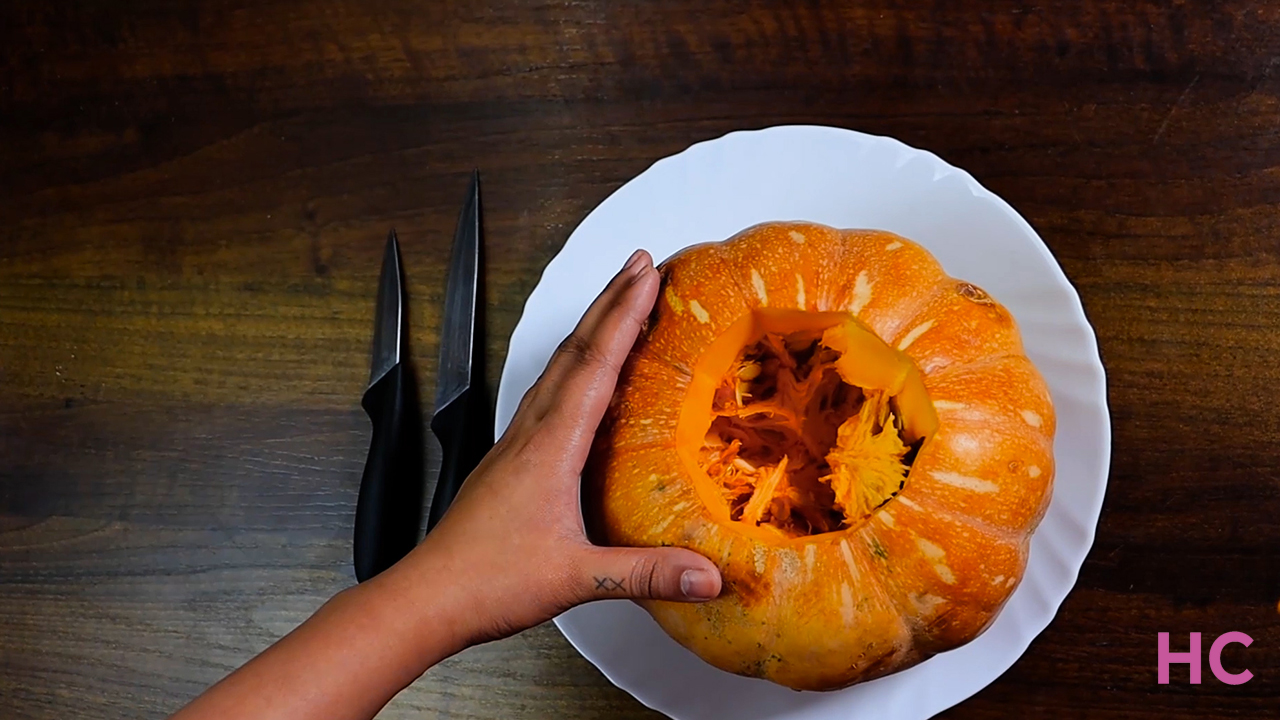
x: 799, y: 423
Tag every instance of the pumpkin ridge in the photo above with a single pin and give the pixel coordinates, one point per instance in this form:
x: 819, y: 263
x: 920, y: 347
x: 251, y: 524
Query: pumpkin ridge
x: 734, y: 271
x: 906, y: 615
x: 727, y: 270
x: 945, y: 370
x: 687, y: 372
x: 1002, y: 425
x: 928, y: 502
x: 914, y: 316
x: 771, y: 250
x: 870, y: 273
x: 973, y: 320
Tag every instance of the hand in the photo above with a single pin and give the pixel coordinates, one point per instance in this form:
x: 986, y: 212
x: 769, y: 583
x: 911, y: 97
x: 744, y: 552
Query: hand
x: 514, y: 537
x: 510, y: 553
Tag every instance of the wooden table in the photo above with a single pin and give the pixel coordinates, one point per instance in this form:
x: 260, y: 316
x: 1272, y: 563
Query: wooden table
x: 193, y: 198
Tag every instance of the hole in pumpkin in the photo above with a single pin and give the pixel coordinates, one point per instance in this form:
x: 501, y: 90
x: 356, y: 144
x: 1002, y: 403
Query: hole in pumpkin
x: 792, y: 445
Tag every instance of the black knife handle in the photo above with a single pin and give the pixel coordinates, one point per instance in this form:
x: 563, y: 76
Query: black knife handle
x: 463, y: 443
x: 389, y: 509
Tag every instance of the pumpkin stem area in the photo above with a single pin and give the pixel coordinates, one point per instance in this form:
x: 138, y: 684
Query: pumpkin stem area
x: 793, y: 445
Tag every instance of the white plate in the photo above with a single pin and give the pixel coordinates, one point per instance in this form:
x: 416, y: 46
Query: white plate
x: 843, y: 179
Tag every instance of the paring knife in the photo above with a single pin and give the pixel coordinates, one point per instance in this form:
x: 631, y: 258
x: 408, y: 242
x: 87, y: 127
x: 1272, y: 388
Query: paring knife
x: 461, y: 419
x: 389, y: 508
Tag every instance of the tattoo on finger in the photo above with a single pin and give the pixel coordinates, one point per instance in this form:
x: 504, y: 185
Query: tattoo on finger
x: 610, y: 584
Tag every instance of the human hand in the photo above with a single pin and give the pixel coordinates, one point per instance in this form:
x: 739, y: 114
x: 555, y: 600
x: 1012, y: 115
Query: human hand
x: 510, y: 553
x: 513, y: 541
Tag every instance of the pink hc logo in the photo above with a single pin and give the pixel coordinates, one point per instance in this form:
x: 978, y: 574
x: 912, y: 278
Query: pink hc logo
x: 1165, y: 658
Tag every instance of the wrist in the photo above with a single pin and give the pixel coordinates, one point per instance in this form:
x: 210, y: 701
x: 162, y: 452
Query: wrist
x: 440, y: 613
x: 413, y: 619
x: 471, y: 589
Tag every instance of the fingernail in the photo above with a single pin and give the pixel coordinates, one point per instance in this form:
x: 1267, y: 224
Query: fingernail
x: 698, y: 584
x: 633, y: 261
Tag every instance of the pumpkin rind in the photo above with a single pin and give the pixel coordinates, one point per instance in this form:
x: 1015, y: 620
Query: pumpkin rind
x: 924, y: 573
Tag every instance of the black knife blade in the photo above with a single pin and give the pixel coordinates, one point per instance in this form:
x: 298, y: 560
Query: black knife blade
x: 459, y: 419
x: 389, y: 508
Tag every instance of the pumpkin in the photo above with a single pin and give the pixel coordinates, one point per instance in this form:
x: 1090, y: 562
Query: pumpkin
x: 857, y: 440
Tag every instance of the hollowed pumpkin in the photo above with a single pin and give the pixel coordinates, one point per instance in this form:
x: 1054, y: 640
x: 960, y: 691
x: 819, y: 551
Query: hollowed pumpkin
x: 856, y: 439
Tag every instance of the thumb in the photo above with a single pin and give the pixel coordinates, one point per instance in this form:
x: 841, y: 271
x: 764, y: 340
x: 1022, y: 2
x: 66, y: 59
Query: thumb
x: 650, y: 573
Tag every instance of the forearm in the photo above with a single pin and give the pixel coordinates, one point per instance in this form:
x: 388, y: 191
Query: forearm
x: 349, y: 659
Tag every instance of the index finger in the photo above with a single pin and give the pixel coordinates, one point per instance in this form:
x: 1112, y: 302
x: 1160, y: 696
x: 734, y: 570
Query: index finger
x: 579, y: 380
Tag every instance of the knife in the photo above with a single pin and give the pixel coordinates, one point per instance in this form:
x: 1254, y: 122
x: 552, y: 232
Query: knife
x: 460, y: 411
x: 389, y: 507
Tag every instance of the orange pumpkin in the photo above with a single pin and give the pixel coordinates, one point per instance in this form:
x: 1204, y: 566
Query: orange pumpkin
x: 856, y: 439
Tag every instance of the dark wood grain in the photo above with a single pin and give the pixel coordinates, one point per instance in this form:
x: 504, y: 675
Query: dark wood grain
x: 193, y: 195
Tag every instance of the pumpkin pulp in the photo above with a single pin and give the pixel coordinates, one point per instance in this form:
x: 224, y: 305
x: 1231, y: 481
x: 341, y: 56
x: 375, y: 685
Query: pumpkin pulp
x: 799, y: 423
